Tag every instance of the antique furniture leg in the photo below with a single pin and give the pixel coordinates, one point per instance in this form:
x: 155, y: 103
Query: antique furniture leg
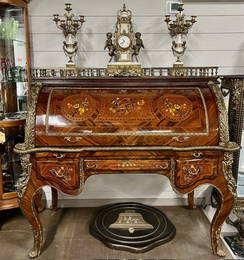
x: 190, y: 197
x: 227, y: 188
x: 38, y: 201
x: 28, y: 208
x: 54, y: 199
x: 221, y: 214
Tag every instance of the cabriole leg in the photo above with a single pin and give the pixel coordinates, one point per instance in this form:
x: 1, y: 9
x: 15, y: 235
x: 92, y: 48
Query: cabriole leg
x: 28, y: 208
x: 226, y: 185
x: 222, y: 212
x: 54, y: 199
x: 190, y: 197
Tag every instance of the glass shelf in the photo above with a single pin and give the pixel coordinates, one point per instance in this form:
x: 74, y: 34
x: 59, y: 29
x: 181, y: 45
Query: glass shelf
x: 10, y: 162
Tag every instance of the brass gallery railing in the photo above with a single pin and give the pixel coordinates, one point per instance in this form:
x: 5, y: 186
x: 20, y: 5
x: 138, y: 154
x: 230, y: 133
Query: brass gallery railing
x: 41, y: 73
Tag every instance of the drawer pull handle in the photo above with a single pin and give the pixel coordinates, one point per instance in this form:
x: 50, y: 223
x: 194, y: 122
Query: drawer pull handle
x: 180, y: 139
x: 71, y: 139
x: 91, y: 165
x: 162, y: 166
x: 191, y: 172
x: 61, y: 173
x: 197, y: 154
x: 127, y: 164
x: 59, y: 155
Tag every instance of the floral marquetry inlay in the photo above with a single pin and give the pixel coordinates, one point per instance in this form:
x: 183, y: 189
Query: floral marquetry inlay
x: 175, y: 107
x: 127, y: 108
x: 78, y: 107
x: 126, y: 105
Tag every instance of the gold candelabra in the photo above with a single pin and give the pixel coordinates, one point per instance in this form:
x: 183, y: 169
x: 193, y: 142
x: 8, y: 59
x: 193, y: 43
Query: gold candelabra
x: 69, y: 27
x: 178, y: 29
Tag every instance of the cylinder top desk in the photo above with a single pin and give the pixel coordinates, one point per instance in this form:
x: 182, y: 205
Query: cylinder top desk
x: 176, y: 127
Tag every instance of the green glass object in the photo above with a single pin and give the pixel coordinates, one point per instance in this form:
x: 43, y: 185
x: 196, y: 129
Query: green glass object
x: 12, y: 59
x: 9, y: 29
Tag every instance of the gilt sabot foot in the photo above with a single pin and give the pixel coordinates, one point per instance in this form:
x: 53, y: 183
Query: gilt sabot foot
x: 221, y: 252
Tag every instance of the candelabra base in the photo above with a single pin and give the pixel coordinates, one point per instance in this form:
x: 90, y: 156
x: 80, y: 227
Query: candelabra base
x: 178, y: 64
x: 70, y: 65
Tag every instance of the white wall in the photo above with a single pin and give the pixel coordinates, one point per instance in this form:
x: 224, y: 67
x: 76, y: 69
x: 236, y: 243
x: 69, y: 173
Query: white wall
x: 217, y: 39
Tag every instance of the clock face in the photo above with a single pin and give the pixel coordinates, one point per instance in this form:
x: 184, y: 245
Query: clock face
x: 124, y: 41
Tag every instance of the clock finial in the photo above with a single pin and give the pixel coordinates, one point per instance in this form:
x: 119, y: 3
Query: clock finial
x: 124, y: 7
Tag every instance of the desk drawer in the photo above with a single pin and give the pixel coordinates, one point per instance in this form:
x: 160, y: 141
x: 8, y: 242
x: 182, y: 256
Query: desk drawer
x: 65, y: 173
x: 191, y: 171
x: 131, y: 165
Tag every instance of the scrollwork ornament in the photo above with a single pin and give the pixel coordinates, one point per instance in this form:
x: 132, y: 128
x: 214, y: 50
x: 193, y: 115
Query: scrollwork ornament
x: 124, y: 71
x: 238, y: 85
x: 31, y: 116
x: 227, y: 170
x: 29, y: 141
x: 25, y: 176
x: 223, y: 115
x: 191, y: 172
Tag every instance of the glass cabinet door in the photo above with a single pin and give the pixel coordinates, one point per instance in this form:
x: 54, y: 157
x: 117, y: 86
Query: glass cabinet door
x: 13, y: 76
x: 14, y: 65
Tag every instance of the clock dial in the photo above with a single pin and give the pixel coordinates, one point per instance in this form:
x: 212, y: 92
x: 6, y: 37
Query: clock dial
x: 124, y: 41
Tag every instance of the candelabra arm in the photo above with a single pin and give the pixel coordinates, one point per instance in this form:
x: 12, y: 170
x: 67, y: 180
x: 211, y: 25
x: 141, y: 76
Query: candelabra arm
x: 69, y: 27
x: 178, y: 29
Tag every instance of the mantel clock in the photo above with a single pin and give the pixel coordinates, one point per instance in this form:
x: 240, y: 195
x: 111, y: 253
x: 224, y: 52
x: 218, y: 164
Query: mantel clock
x: 124, y: 46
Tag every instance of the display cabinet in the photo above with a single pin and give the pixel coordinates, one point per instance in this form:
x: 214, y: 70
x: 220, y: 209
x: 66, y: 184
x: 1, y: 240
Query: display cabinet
x: 14, y: 79
x: 11, y: 133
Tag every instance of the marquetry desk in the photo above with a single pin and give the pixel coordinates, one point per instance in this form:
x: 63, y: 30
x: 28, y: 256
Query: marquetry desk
x: 172, y: 126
